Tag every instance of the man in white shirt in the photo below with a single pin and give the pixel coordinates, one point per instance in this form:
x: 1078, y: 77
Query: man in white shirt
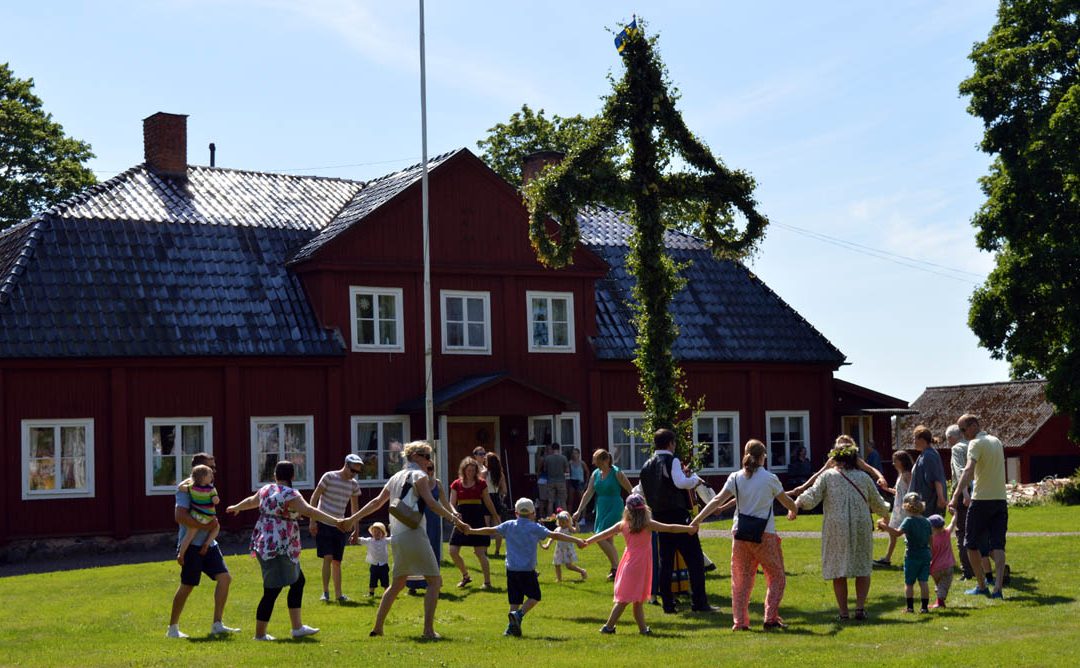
x: 666, y: 485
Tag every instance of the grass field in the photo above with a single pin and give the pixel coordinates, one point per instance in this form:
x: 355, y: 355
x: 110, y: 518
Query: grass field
x: 117, y: 616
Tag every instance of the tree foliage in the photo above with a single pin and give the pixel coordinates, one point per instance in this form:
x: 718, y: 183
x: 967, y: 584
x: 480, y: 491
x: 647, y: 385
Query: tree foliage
x: 39, y: 164
x: 640, y: 115
x: 1026, y: 90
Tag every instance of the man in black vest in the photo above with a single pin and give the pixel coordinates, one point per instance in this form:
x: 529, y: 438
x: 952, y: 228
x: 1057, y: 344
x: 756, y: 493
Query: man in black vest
x: 666, y: 484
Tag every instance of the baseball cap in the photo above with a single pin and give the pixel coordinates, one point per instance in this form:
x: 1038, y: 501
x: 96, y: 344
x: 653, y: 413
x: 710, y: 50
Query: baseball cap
x: 524, y: 506
x: 353, y: 459
x: 635, y: 501
x: 936, y: 521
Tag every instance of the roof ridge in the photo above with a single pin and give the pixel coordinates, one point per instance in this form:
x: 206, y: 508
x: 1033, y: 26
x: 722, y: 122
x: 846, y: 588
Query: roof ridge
x: 1021, y: 381
x: 437, y: 158
x: 256, y: 172
x: 85, y: 194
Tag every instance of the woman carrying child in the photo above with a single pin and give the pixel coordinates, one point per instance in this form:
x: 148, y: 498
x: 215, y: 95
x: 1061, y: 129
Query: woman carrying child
x: 754, y: 490
x: 633, y: 577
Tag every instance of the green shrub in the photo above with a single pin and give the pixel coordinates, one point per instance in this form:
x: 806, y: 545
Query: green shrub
x: 1069, y: 495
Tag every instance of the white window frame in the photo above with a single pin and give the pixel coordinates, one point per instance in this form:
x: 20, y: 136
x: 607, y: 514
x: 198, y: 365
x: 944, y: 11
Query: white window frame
x: 206, y: 423
x: 399, y: 303
x: 380, y: 420
x: 309, y: 453
x: 78, y: 493
x: 466, y: 349
x: 550, y: 296
x: 565, y: 448
x: 634, y: 466
x: 800, y: 415
x: 735, y: 447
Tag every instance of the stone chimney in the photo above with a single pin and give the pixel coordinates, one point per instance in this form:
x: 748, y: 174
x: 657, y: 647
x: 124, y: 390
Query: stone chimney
x: 533, y: 163
x: 165, y: 144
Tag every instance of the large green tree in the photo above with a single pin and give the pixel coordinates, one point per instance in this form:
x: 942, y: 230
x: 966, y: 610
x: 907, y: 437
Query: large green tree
x: 640, y: 115
x: 1026, y: 89
x: 39, y: 164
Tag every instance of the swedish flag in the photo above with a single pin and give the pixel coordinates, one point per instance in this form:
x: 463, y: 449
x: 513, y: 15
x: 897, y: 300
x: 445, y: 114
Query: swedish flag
x: 625, y: 34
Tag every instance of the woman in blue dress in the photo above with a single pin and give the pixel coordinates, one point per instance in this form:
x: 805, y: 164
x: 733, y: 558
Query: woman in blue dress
x: 606, y: 483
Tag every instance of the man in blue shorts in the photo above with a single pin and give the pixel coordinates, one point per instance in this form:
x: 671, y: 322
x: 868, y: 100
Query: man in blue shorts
x: 195, y: 565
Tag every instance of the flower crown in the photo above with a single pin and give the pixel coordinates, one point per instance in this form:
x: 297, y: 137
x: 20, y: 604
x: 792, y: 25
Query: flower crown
x: 846, y: 450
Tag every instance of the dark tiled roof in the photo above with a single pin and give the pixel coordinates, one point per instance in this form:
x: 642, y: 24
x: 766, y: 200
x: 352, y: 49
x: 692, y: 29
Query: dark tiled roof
x: 373, y: 195
x: 143, y: 265
x: 726, y: 313
x: 1012, y: 411
x: 105, y: 288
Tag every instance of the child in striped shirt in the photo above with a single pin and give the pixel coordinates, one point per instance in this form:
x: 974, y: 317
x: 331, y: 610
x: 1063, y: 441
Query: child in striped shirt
x: 204, y: 498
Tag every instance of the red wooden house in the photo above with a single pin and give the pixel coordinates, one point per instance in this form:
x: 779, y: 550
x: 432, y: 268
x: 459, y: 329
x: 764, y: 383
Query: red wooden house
x: 260, y: 316
x: 1035, y: 437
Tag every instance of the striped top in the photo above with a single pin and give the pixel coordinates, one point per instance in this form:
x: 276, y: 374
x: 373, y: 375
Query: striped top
x: 336, y: 492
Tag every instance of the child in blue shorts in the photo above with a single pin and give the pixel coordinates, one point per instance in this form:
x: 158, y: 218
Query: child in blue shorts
x: 917, y: 532
x: 522, y: 536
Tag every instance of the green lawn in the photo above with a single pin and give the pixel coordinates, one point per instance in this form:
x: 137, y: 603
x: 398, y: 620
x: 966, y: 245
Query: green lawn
x: 117, y: 616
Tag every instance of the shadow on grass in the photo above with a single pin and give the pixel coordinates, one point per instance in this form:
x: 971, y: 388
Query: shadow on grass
x: 216, y: 637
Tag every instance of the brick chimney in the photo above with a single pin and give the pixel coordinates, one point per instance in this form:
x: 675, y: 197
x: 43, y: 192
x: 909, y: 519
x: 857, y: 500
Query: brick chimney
x: 165, y: 144
x: 533, y: 163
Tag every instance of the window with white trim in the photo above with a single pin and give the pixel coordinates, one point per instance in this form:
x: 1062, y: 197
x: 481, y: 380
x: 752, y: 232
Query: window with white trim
x: 629, y: 450
x: 567, y: 433
x: 380, y: 440
x: 278, y: 438
x: 466, y: 322
x: 377, y: 319
x: 787, y: 432
x: 170, y: 443
x: 57, y: 459
x: 550, y: 321
x: 719, y: 432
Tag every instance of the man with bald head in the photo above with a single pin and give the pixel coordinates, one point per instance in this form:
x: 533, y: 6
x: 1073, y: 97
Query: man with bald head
x: 988, y: 512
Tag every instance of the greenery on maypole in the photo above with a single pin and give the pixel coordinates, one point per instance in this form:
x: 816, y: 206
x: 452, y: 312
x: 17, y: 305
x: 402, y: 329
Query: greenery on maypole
x: 640, y: 112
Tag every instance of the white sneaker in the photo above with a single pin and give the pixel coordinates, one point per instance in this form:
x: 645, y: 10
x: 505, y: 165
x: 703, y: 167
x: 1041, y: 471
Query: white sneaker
x: 325, y: 596
x: 343, y: 599
x: 265, y: 637
x: 304, y: 630
x: 175, y: 632
x: 219, y: 627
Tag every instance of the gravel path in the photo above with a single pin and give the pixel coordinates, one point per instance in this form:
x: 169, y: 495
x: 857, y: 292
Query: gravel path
x: 236, y: 547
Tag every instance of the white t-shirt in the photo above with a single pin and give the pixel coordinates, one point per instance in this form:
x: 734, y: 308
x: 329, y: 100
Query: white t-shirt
x: 755, y: 495
x: 378, y: 552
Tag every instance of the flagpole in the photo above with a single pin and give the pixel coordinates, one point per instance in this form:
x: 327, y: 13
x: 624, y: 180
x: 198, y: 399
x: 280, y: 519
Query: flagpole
x: 429, y: 402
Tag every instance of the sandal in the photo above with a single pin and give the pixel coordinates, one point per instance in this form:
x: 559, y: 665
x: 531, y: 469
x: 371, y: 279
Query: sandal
x: 860, y: 614
x: 843, y: 618
x: 465, y: 580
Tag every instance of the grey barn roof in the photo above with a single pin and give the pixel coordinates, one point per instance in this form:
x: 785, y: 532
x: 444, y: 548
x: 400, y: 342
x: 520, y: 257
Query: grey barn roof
x: 142, y: 265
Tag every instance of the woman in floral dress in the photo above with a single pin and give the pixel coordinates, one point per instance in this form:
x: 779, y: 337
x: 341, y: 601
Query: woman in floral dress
x: 847, y: 530
x: 275, y: 542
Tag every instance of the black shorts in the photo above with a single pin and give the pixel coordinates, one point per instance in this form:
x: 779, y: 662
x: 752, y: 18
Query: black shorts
x: 195, y: 564
x: 521, y: 585
x: 330, y: 542
x: 987, y: 524
x: 378, y: 575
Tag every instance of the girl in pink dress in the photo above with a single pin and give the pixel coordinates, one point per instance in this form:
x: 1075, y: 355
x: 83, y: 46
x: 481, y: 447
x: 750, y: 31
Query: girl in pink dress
x: 633, y: 578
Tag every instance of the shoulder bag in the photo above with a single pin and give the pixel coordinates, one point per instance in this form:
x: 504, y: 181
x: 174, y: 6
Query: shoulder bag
x: 750, y: 528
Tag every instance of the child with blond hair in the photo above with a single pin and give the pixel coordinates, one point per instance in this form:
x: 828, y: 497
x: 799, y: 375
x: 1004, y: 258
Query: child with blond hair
x: 916, y: 531
x: 378, y: 557
x: 565, y: 552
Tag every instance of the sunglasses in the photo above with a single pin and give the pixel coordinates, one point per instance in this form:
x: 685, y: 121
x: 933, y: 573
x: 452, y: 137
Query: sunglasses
x: 426, y: 455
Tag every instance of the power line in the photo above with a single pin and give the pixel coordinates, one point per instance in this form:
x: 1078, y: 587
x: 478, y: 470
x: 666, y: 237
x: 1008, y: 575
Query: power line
x: 902, y: 260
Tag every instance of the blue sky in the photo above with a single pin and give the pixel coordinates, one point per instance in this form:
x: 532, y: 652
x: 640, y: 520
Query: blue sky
x: 846, y: 113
